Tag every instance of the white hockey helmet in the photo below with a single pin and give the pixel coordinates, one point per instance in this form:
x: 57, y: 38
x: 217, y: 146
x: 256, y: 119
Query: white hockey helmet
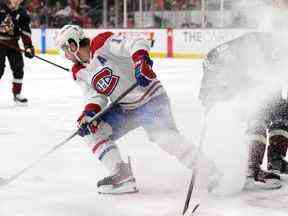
x: 68, y: 34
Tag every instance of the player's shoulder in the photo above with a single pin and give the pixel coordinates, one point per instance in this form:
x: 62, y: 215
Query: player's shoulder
x: 99, y: 40
x: 22, y: 10
x: 76, y: 68
x: 24, y: 15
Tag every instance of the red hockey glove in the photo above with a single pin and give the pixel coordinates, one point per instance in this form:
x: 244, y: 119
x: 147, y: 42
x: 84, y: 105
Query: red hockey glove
x: 84, y: 127
x: 143, y: 68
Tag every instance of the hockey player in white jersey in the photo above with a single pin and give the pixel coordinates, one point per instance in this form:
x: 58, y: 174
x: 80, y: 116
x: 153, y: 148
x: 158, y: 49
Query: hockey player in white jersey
x: 105, y: 67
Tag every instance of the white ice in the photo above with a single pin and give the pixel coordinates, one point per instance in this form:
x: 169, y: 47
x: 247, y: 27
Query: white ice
x: 64, y: 184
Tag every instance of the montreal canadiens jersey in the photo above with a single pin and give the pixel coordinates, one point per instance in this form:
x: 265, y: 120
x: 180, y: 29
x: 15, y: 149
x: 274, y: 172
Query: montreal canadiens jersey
x: 111, y: 72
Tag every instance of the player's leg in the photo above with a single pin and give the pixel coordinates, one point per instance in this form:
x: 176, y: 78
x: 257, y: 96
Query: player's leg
x: 277, y: 149
x: 17, y: 64
x: 160, y: 126
x: 120, y: 179
x: 2, y: 60
x: 257, y: 178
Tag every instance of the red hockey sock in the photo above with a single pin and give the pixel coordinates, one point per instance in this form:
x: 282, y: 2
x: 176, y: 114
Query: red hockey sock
x: 16, y: 88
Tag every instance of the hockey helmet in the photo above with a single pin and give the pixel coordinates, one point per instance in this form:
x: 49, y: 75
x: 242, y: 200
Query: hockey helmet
x: 68, y: 34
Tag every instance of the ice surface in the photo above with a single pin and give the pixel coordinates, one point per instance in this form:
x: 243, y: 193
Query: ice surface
x: 64, y: 184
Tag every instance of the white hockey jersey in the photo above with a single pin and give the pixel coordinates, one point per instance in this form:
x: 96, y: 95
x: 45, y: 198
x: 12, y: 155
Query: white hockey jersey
x: 111, y: 72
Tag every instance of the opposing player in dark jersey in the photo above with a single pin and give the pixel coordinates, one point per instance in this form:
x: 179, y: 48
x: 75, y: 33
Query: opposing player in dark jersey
x: 270, y: 127
x: 238, y: 67
x: 14, y: 24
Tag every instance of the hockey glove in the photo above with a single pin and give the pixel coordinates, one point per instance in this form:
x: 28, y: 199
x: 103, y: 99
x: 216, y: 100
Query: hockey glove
x: 84, y: 127
x: 29, y: 52
x: 143, y: 68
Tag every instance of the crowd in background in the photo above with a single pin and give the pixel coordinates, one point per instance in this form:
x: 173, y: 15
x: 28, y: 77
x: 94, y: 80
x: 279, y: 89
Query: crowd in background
x: 56, y: 13
x: 89, y: 13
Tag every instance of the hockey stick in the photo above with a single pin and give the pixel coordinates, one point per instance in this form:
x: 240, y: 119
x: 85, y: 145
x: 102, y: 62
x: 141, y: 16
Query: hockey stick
x: 193, y: 212
x: 195, y: 168
x: 59, y: 66
x: 36, y: 56
x: 44, y: 155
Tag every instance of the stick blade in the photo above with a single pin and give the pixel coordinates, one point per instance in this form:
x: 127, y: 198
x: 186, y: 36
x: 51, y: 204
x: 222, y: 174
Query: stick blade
x: 192, y: 211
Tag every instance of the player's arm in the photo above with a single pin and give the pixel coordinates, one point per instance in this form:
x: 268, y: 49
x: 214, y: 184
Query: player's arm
x: 216, y: 80
x: 25, y: 31
x: 95, y: 102
x: 138, y: 50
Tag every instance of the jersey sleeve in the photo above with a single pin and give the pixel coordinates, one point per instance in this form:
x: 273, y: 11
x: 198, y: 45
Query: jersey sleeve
x: 25, y: 29
x: 98, y: 99
x: 219, y: 81
x: 122, y: 46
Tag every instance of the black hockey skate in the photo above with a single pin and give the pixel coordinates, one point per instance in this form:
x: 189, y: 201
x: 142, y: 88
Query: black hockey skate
x: 121, y: 182
x: 260, y: 179
x: 278, y: 165
x: 19, y: 99
x: 276, y: 155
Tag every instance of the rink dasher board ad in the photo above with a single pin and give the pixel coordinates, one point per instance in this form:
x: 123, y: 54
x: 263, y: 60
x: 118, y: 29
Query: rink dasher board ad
x: 177, y: 43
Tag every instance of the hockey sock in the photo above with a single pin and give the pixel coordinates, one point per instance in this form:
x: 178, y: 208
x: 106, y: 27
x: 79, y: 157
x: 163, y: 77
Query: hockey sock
x: 16, y: 86
x: 109, y: 155
x: 256, y: 155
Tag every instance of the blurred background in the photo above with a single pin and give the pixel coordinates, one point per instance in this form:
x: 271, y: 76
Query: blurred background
x: 141, y: 13
x: 176, y: 28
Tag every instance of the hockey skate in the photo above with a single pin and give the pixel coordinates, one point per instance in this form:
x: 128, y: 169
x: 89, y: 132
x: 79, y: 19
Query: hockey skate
x: 19, y: 99
x: 276, y: 155
x: 122, y: 181
x: 263, y: 180
x: 278, y: 165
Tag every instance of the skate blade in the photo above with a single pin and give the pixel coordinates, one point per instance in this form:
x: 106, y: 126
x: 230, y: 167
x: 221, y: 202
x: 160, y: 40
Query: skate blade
x: 278, y: 172
x: 126, y: 188
x: 192, y: 211
x: 20, y: 104
x: 271, y: 184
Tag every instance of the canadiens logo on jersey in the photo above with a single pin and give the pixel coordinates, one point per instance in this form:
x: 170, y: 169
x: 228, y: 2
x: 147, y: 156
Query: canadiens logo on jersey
x: 104, y: 81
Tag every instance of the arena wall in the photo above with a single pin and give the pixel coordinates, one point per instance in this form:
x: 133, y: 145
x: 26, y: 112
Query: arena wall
x: 177, y: 43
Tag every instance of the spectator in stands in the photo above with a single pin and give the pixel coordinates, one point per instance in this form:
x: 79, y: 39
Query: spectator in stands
x: 82, y: 18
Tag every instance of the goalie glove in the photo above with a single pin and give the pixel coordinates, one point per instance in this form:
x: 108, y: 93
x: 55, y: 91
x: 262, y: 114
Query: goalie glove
x: 143, y: 68
x: 85, y: 127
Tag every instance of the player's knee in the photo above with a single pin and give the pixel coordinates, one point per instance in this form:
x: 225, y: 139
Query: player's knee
x: 162, y: 136
x: 18, y: 73
x: 172, y: 142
